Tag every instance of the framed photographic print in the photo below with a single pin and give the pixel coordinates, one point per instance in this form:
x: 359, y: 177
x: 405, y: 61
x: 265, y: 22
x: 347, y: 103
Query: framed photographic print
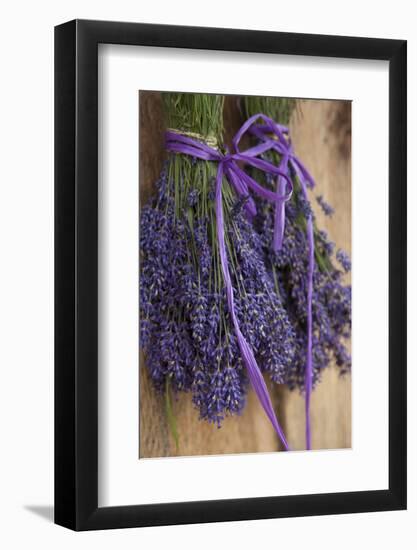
x: 230, y: 252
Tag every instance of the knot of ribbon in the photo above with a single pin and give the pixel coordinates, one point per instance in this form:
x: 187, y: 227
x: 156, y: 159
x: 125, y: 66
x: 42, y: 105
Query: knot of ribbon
x: 241, y: 181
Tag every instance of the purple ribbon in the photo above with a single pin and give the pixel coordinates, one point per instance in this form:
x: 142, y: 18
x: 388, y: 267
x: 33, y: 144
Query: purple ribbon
x: 242, y: 182
x: 276, y: 137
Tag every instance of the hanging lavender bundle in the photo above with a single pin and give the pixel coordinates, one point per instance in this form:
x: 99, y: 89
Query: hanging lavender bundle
x: 208, y: 305
x: 288, y: 265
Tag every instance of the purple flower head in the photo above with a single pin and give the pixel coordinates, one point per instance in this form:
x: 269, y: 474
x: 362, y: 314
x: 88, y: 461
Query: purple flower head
x: 327, y: 209
x: 193, y: 197
x: 239, y: 205
x: 344, y: 260
x: 323, y: 243
x: 304, y: 206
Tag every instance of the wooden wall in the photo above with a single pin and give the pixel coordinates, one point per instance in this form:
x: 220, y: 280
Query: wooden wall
x: 321, y: 136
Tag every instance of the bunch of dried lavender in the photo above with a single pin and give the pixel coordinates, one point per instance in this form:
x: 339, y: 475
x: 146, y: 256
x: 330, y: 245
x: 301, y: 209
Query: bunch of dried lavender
x: 288, y: 267
x: 186, y: 329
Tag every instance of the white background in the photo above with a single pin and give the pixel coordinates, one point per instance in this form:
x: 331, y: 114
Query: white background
x: 123, y: 479
x: 26, y: 301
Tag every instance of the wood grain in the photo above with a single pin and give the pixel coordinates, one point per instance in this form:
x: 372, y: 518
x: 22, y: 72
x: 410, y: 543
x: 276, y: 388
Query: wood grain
x: 321, y: 137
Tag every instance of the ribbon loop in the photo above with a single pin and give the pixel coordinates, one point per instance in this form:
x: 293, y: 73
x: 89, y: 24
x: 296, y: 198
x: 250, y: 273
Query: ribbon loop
x: 276, y: 137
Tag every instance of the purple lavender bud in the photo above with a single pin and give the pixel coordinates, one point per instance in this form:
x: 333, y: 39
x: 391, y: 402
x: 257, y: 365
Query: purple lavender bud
x: 192, y: 198
x: 344, y: 260
x: 239, y: 205
x: 327, y: 209
x: 304, y: 206
x: 327, y: 245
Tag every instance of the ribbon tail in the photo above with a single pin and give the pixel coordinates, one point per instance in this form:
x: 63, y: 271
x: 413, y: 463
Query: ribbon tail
x: 254, y: 373
x: 279, y: 221
x: 301, y: 172
x: 258, y: 383
x: 309, y: 362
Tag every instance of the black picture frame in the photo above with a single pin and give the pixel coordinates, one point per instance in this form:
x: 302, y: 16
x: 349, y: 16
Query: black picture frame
x: 76, y: 271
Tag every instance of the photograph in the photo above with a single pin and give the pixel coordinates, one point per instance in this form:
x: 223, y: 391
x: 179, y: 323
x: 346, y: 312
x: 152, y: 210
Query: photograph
x: 245, y: 297
x: 208, y: 331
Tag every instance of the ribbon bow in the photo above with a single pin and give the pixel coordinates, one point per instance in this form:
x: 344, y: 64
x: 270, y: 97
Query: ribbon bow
x: 242, y: 182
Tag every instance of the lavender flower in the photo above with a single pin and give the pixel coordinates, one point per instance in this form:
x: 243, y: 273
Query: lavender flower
x: 327, y: 209
x: 304, y: 206
x: 239, y: 205
x: 344, y: 260
x: 193, y: 197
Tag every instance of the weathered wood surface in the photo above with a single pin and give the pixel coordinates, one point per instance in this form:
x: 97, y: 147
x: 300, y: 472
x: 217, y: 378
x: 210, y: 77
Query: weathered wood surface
x: 321, y: 137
